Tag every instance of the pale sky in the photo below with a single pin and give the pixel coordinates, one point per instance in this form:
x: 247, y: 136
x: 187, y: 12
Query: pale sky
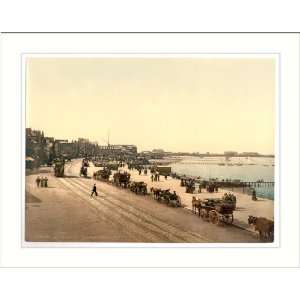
x: 177, y: 104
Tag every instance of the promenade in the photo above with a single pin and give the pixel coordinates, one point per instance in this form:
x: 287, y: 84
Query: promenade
x: 66, y: 212
x: 245, y: 205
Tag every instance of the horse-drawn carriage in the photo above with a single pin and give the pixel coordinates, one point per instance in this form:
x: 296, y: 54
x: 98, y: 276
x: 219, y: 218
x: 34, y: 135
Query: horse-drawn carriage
x: 85, y: 163
x: 230, y: 198
x: 83, y: 171
x: 189, y: 184
x: 138, y: 187
x: 59, y: 167
x: 190, y: 188
x: 102, y: 174
x: 165, y: 196
x: 215, y: 210
x: 122, y: 179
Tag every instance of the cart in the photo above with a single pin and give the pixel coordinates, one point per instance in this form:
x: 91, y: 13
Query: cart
x: 138, y: 187
x: 216, y: 211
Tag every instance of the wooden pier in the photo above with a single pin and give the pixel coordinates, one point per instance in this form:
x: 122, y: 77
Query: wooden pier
x: 258, y: 183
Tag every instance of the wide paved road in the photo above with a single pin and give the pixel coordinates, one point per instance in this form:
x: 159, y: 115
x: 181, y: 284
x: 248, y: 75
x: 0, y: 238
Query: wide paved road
x: 66, y: 212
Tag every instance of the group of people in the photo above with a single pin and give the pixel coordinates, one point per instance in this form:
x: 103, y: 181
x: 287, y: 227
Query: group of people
x: 41, y: 181
x: 145, y: 171
x: 155, y: 176
x: 212, y: 187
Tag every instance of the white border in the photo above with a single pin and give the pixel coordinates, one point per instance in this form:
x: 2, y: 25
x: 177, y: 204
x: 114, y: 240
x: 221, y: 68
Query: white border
x: 275, y: 56
x: 288, y: 252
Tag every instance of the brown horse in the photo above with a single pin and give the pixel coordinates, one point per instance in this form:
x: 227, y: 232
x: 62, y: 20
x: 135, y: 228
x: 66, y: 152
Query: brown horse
x: 264, y: 227
x: 196, y: 204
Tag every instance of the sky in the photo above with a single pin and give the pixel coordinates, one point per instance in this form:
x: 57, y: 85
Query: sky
x: 175, y: 104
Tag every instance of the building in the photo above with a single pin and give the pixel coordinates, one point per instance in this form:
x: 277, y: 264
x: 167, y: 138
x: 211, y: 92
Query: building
x: 230, y: 153
x: 250, y: 154
x: 41, y: 149
x: 64, y: 148
x: 159, y: 151
x: 35, y: 146
x: 118, y: 151
x: 83, y: 147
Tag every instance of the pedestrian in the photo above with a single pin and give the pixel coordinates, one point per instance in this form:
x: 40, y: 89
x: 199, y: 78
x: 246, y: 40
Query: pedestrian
x: 199, y: 189
x: 42, y: 181
x: 152, y: 177
x: 166, y: 177
x: 46, y: 182
x: 94, y: 190
x: 254, y: 195
x: 38, y: 180
x: 174, y: 195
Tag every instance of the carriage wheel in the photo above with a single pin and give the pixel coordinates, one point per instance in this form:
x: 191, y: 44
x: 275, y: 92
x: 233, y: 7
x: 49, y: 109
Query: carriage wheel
x: 229, y: 219
x: 213, y: 217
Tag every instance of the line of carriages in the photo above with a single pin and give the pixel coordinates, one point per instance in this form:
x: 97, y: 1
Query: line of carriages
x: 214, y: 210
x: 122, y: 180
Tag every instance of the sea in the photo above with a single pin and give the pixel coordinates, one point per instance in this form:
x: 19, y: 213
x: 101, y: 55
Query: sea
x: 249, y: 169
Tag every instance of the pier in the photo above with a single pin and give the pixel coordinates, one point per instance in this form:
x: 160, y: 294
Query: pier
x: 258, y: 184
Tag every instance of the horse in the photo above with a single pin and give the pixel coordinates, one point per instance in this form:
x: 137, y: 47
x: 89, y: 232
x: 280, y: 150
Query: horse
x: 196, y: 204
x: 265, y: 227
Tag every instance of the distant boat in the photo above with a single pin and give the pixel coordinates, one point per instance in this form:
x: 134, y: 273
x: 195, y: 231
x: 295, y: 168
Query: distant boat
x: 221, y: 164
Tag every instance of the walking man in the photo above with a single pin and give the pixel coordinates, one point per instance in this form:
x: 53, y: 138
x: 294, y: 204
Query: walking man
x: 94, y: 190
x: 46, y: 182
x: 38, y: 180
